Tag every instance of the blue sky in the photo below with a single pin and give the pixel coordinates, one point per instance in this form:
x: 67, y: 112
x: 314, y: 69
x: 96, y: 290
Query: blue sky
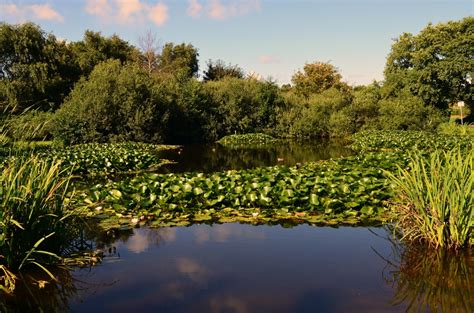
x: 273, y: 38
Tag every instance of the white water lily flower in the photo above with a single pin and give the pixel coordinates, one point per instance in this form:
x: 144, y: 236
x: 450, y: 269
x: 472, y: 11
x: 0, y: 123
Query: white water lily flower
x: 134, y: 220
x: 255, y: 214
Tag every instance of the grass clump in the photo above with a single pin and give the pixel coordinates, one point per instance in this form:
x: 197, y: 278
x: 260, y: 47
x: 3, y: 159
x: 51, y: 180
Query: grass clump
x: 436, y: 199
x: 249, y: 140
x: 34, y: 228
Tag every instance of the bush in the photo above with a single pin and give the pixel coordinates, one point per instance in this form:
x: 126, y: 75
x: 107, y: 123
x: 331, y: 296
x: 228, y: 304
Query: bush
x: 116, y: 103
x: 242, y: 105
x: 409, y: 113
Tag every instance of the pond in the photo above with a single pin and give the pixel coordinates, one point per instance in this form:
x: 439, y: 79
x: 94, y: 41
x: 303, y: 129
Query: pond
x: 240, y: 268
x: 215, y: 157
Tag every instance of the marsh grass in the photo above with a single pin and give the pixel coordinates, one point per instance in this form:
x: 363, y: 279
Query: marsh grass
x: 435, y: 202
x: 34, y: 218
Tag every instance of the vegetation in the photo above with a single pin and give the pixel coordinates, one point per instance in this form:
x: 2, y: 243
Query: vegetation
x: 247, y: 140
x: 408, y: 140
x: 436, y: 199
x: 35, y: 225
x: 218, y: 70
x: 349, y: 190
x: 109, y: 159
x: 435, y: 65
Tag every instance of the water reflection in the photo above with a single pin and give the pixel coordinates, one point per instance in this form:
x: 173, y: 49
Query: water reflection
x: 214, y: 157
x: 431, y: 280
x: 245, y: 269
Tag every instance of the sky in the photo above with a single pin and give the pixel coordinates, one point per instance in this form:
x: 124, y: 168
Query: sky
x: 272, y: 38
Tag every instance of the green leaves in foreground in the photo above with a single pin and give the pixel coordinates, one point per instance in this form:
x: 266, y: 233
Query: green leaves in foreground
x: 33, y: 216
x: 354, y: 186
x: 436, y: 199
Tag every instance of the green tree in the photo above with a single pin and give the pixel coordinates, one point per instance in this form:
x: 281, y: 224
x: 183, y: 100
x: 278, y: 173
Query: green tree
x: 36, y: 69
x: 178, y: 58
x: 218, y: 70
x: 95, y: 48
x: 242, y: 105
x: 317, y: 77
x: 435, y: 65
x: 116, y: 103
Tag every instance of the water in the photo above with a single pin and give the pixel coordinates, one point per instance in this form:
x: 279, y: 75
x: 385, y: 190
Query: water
x: 214, y: 157
x: 245, y: 269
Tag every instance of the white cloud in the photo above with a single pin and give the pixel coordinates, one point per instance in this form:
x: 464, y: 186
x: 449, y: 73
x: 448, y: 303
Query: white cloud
x: 128, y: 11
x: 269, y: 59
x: 220, y: 10
x: 194, y: 8
x: 158, y: 14
x: 32, y: 11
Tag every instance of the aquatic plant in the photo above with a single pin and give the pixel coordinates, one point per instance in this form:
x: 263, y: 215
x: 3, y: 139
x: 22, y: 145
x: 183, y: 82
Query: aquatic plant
x: 354, y: 187
x: 33, y: 216
x: 408, y: 140
x: 435, y: 198
x: 110, y: 158
x: 247, y: 140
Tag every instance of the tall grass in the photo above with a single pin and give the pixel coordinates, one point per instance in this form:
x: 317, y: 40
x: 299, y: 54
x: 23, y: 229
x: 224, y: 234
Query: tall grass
x: 33, y: 215
x: 436, y: 199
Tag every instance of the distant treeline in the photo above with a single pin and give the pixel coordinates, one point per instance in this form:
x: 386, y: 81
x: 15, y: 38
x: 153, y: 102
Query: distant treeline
x: 104, y: 89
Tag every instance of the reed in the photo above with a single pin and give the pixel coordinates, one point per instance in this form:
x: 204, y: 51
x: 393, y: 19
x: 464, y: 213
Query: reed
x: 34, y: 218
x: 435, y: 198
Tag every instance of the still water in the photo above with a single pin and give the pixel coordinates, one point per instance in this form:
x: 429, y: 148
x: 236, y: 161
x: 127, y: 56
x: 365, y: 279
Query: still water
x: 235, y: 268
x: 214, y: 157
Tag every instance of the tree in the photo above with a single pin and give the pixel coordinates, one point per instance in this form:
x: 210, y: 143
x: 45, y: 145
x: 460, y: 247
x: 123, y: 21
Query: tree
x: 218, y: 70
x: 94, y: 48
x: 116, y: 103
x: 435, y: 65
x: 179, y: 58
x: 149, y: 47
x: 317, y: 77
x: 36, y: 69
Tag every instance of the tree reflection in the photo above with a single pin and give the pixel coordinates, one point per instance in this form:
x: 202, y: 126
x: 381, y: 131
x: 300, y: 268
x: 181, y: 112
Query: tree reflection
x: 431, y: 280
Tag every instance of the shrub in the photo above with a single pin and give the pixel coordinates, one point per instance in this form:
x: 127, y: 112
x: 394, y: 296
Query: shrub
x: 117, y: 103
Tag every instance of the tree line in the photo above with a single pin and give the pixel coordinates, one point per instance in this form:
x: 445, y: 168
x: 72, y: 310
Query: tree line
x: 102, y: 89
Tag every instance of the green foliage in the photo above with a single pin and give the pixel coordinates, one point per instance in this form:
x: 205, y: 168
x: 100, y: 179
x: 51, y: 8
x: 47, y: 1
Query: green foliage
x: 454, y: 129
x: 34, y: 219
x: 36, y: 69
x: 30, y: 125
x: 116, y: 103
x: 218, y: 70
x: 407, y: 112
x: 190, y: 118
x: 108, y: 159
x: 242, y: 105
x: 435, y: 201
x: 436, y: 65
x: 354, y: 188
x: 94, y: 49
x: 244, y: 140
x: 318, y: 116
x: 408, y: 140
x: 182, y: 58
x: 316, y: 78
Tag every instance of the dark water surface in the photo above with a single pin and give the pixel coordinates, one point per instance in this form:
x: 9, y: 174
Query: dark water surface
x: 214, y: 157
x: 235, y: 268
x: 241, y: 268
